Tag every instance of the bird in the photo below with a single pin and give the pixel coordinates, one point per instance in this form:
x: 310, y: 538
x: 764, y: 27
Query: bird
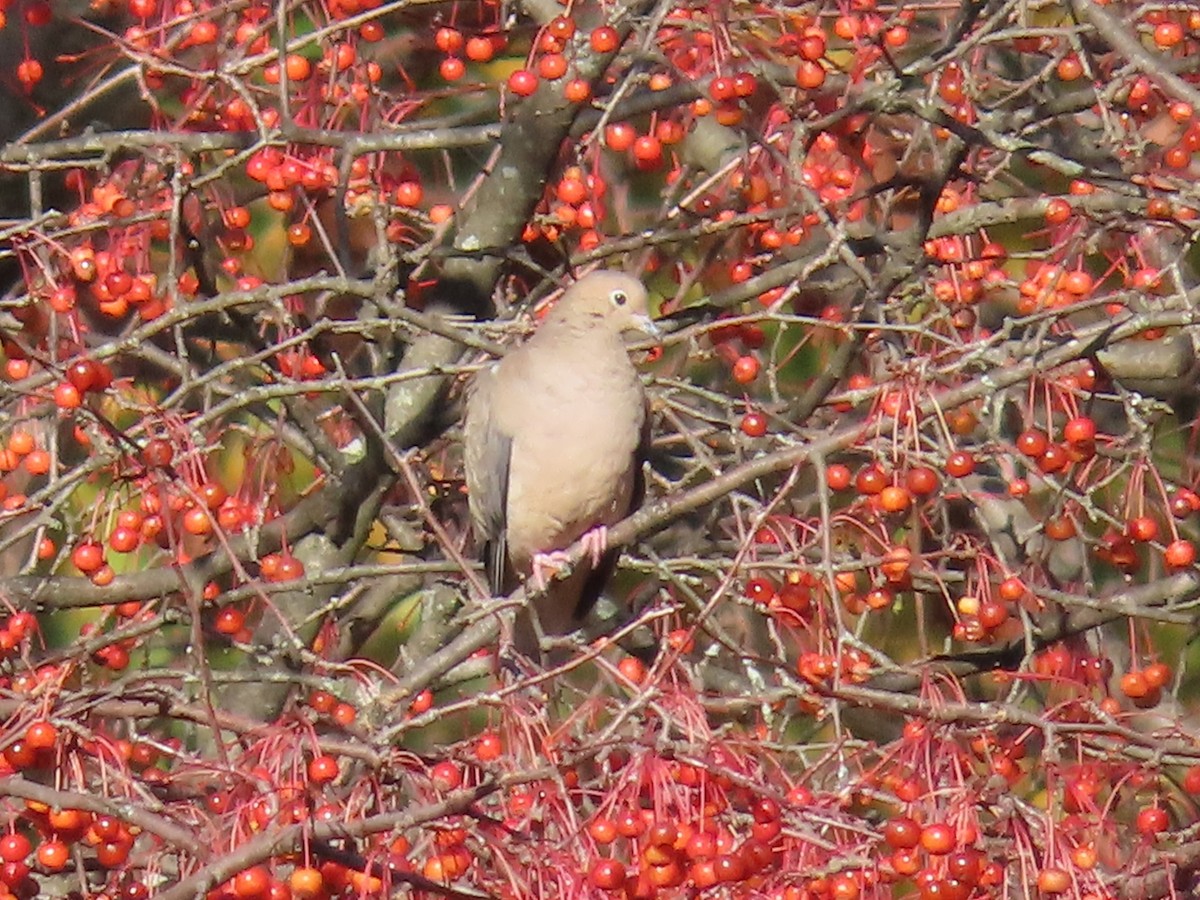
x: 554, y: 435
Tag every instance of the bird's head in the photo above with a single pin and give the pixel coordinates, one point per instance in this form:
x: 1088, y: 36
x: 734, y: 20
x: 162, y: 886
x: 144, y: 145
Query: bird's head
x: 611, y: 300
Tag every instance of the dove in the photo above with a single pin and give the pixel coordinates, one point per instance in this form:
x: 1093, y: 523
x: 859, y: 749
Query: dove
x: 554, y: 435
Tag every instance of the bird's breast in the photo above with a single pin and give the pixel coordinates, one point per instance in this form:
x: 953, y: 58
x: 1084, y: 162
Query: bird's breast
x: 573, y: 469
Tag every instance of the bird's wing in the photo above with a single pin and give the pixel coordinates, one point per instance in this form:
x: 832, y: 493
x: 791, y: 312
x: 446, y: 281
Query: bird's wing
x: 487, y: 451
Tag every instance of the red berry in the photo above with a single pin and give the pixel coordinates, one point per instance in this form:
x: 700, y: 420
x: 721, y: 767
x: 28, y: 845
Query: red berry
x: 561, y: 27
x: 252, y: 883
x: 921, y: 480
x: 992, y: 614
x: 607, y: 874
x: 480, y: 49
x: 647, y: 151
x: 213, y: 494
x: 488, y: 747
x: 745, y: 369
x: 448, y: 40
x: 307, y: 883
x: 966, y: 866
x: 229, y: 621
x: 633, y: 669
x: 620, y: 136
x: 88, y: 557
x: 902, y: 833
x: 552, y: 66
x: 1053, y: 880
x: 1032, y: 443
x: 812, y: 47
x: 84, y: 374
x: 894, y: 498
x: 15, y: 847
x: 1177, y: 157
x: 960, y: 463
x: 870, y: 480
x: 1058, y: 211
x: 1070, y: 67
x: 837, y: 476
x: 522, y: 82
x: 937, y: 838
x: 1055, y: 459
x: 1179, y: 554
x: 1156, y: 674
x: 67, y: 396
x: 744, y: 84
x: 41, y: 735
x: 1142, y: 528
x: 810, y: 75
x: 604, y: 39
x: 53, y: 855
x: 157, y: 454
x: 577, y: 90
x: 1152, y: 820
x: 760, y: 590
x: 754, y: 424
x: 323, y: 769
x: 721, y: 89
x: 322, y: 701
x: 1191, y: 784
x: 344, y: 714
x: 1134, y: 686
x: 1079, y: 430
x: 1168, y: 34
x: 446, y: 775
x: 29, y: 73
x: 197, y: 521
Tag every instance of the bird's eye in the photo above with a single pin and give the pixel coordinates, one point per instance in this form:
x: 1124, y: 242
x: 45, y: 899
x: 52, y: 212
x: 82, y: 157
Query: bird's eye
x: 620, y: 298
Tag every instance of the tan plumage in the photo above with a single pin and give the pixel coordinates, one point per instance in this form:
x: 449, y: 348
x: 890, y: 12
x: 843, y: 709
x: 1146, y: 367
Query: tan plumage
x: 554, y: 435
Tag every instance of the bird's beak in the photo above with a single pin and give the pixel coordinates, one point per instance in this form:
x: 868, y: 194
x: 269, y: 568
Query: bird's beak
x: 648, y: 326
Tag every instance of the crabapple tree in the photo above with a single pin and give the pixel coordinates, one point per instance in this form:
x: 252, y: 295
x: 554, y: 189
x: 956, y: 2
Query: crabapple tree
x: 907, y: 610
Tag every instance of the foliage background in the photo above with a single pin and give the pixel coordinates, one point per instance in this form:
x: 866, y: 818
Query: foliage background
x: 908, y: 611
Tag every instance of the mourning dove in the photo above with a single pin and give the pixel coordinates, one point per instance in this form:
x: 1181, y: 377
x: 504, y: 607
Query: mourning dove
x: 554, y: 436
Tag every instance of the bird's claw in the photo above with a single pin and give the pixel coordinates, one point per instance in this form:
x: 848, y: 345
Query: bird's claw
x: 553, y: 562
x: 595, y: 544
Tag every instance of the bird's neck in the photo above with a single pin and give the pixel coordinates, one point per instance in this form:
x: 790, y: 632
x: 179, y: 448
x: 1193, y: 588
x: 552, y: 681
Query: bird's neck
x: 579, y: 333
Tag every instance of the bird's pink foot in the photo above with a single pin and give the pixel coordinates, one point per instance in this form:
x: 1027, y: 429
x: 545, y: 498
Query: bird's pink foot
x: 547, y: 563
x: 595, y: 543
